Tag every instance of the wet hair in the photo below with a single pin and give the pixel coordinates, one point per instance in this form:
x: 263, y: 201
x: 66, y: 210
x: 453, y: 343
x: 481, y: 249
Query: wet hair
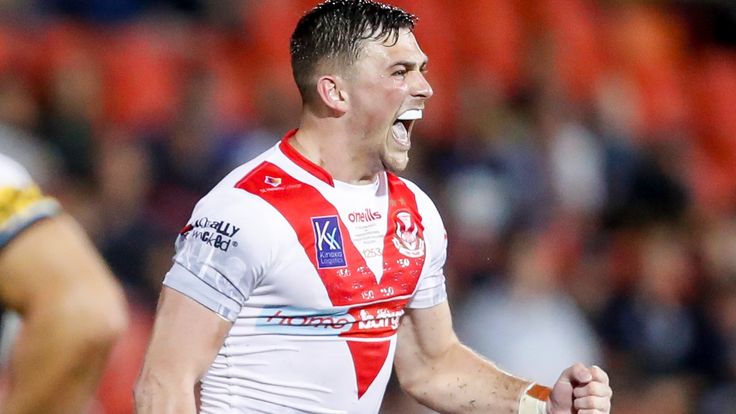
x: 334, y: 32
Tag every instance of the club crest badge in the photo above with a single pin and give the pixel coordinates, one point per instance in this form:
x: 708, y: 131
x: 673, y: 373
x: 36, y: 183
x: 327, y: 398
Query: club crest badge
x: 407, y: 238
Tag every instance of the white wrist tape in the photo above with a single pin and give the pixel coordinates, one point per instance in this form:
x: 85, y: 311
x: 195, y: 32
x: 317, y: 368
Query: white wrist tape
x: 534, y: 400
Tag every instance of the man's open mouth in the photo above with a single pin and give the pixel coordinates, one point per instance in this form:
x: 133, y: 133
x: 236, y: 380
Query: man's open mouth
x: 403, y: 125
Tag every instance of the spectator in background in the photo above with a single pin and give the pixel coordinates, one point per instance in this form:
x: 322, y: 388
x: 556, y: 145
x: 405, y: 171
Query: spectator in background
x: 19, y: 114
x: 127, y: 231
x: 640, y: 325
x: 721, y: 397
x: 719, y: 254
x: 526, y: 322
x: 72, y: 309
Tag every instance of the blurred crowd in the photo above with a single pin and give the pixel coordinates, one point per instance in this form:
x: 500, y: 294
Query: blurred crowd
x: 581, y: 152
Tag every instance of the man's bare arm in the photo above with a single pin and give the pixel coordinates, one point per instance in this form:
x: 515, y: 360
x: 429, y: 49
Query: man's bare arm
x: 441, y: 373
x: 186, y: 338
x: 73, y: 311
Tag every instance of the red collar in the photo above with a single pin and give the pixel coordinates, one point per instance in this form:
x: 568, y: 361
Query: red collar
x: 302, y: 161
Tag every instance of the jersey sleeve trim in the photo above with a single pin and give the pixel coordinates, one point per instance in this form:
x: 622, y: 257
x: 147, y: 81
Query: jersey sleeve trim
x: 20, y: 208
x: 187, y: 283
x: 431, y: 293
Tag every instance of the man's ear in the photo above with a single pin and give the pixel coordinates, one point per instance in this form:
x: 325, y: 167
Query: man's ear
x: 329, y: 89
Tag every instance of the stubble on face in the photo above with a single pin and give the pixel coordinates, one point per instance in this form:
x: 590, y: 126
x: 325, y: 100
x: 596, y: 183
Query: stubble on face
x: 382, y: 96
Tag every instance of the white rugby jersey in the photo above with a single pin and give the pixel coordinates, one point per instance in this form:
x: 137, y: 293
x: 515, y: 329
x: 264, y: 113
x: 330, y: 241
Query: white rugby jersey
x: 315, y: 275
x: 21, y: 201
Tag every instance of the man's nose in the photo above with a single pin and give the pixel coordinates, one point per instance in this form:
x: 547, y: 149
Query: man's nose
x: 421, y: 87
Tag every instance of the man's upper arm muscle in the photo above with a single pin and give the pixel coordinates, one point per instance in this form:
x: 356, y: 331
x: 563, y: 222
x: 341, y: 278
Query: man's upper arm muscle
x: 53, y: 258
x: 185, y: 340
x: 73, y: 311
x: 424, y: 336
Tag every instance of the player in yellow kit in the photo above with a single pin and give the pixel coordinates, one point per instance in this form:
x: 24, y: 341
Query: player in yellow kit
x: 71, y: 307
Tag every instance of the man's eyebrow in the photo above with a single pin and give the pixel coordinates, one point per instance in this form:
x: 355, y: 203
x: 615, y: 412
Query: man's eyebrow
x: 411, y: 65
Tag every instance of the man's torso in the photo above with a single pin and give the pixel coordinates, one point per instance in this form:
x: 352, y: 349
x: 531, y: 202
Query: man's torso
x: 330, y: 268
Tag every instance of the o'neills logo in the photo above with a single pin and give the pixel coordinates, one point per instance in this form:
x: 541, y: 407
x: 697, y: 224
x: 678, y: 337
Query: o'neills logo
x: 407, y: 238
x: 364, y: 216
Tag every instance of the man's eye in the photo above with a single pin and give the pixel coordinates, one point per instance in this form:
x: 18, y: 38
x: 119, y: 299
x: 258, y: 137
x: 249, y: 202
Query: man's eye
x: 401, y: 72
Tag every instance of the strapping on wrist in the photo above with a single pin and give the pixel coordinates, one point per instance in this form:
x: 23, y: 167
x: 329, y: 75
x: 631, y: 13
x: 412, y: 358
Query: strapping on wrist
x: 534, y: 399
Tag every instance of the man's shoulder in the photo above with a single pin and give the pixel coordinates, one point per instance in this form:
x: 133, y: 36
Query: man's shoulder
x: 12, y: 174
x: 242, y: 171
x: 421, y: 196
x: 228, y: 186
x: 228, y: 196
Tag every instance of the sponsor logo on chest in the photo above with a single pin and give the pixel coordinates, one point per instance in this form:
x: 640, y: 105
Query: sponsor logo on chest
x: 294, y: 320
x: 329, y: 242
x: 371, y: 320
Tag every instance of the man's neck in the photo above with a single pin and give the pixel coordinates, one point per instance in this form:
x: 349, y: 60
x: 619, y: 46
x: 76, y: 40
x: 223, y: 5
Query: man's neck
x: 327, y: 143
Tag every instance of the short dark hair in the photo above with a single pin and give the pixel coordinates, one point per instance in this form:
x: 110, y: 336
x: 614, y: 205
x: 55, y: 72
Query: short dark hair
x: 335, y: 31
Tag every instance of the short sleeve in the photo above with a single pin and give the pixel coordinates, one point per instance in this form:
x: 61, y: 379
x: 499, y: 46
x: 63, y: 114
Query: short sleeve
x: 431, y: 288
x: 22, y: 202
x: 218, y: 261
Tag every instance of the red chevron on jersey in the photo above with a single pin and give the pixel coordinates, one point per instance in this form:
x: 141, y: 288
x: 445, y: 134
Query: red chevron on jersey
x: 368, y: 358
x: 353, y: 282
x: 376, y: 306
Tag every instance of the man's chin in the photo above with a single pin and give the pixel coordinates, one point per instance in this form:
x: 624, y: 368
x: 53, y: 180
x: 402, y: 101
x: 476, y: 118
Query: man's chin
x: 395, y: 164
